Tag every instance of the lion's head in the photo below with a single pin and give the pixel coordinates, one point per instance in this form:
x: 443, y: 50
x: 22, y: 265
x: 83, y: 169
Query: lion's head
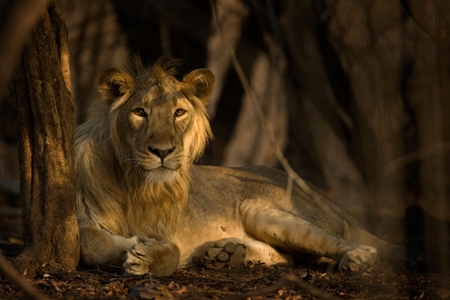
x: 158, y: 124
x: 133, y: 157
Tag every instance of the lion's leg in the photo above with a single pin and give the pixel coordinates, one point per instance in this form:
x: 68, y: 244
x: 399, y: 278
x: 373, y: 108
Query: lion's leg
x: 288, y: 231
x: 100, y: 248
x: 136, y: 256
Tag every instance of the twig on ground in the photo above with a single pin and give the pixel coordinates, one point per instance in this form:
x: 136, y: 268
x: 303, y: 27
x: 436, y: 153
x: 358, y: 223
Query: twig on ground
x: 24, y: 286
x: 287, y: 281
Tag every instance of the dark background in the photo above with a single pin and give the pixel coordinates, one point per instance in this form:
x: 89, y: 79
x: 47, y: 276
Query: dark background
x: 355, y: 92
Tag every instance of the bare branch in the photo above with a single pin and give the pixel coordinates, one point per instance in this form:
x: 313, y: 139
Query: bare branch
x: 415, y: 156
x: 258, y: 110
x: 12, y: 274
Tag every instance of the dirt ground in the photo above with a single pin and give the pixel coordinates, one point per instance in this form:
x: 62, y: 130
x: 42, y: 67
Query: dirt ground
x: 246, y: 282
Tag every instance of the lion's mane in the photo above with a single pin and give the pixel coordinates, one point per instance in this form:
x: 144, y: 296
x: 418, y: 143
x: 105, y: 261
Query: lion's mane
x: 113, y: 194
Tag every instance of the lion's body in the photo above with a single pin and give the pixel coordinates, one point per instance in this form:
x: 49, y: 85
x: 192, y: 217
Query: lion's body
x: 219, y: 209
x: 144, y: 206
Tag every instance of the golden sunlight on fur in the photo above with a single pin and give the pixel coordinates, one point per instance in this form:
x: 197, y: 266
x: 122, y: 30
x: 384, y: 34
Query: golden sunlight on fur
x: 144, y: 207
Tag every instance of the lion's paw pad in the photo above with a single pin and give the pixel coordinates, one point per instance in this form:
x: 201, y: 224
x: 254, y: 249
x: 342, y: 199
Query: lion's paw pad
x: 231, y: 254
x: 359, y: 259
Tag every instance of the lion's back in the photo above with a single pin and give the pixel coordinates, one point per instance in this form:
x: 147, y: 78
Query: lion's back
x: 219, y: 190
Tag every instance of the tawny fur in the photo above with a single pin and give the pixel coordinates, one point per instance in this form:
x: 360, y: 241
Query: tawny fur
x: 144, y: 206
x: 135, y: 199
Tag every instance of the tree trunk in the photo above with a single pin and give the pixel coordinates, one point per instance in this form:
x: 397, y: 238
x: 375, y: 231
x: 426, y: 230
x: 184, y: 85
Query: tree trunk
x: 46, y: 149
x: 368, y: 39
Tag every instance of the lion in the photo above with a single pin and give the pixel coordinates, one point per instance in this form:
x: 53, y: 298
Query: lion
x: 144, y: 206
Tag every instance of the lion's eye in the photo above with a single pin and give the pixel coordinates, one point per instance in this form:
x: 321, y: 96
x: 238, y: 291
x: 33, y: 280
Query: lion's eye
x: 139, y: 112
x: 179, y: 112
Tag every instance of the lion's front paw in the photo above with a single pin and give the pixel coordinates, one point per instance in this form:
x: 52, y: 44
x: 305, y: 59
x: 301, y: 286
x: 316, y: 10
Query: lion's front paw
x: 229, y: 254
x: 359, y: 259
x: 137, y: 260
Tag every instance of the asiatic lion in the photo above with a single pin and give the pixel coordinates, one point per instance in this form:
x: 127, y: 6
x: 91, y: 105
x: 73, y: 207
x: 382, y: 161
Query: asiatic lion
x: 144, y: 206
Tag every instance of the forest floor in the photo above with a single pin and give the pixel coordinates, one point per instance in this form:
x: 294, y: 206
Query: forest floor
x: 246, y: 282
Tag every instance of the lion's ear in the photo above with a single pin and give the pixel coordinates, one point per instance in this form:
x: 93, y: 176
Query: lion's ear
x: 113, y: 83
x: 201, y: 82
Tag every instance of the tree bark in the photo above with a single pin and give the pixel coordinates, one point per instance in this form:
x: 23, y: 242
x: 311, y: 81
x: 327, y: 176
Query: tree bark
x: 46, y: 149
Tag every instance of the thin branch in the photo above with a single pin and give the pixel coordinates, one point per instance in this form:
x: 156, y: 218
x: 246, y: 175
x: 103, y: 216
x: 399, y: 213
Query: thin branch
x: 421, y: 154
x: 258, y: 110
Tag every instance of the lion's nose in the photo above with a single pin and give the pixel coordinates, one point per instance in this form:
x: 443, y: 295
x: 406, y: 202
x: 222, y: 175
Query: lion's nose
x: 161, y: 153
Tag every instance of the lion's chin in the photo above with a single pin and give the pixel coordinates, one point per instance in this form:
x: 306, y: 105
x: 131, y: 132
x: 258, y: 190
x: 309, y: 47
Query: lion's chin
x: 160, y: 174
